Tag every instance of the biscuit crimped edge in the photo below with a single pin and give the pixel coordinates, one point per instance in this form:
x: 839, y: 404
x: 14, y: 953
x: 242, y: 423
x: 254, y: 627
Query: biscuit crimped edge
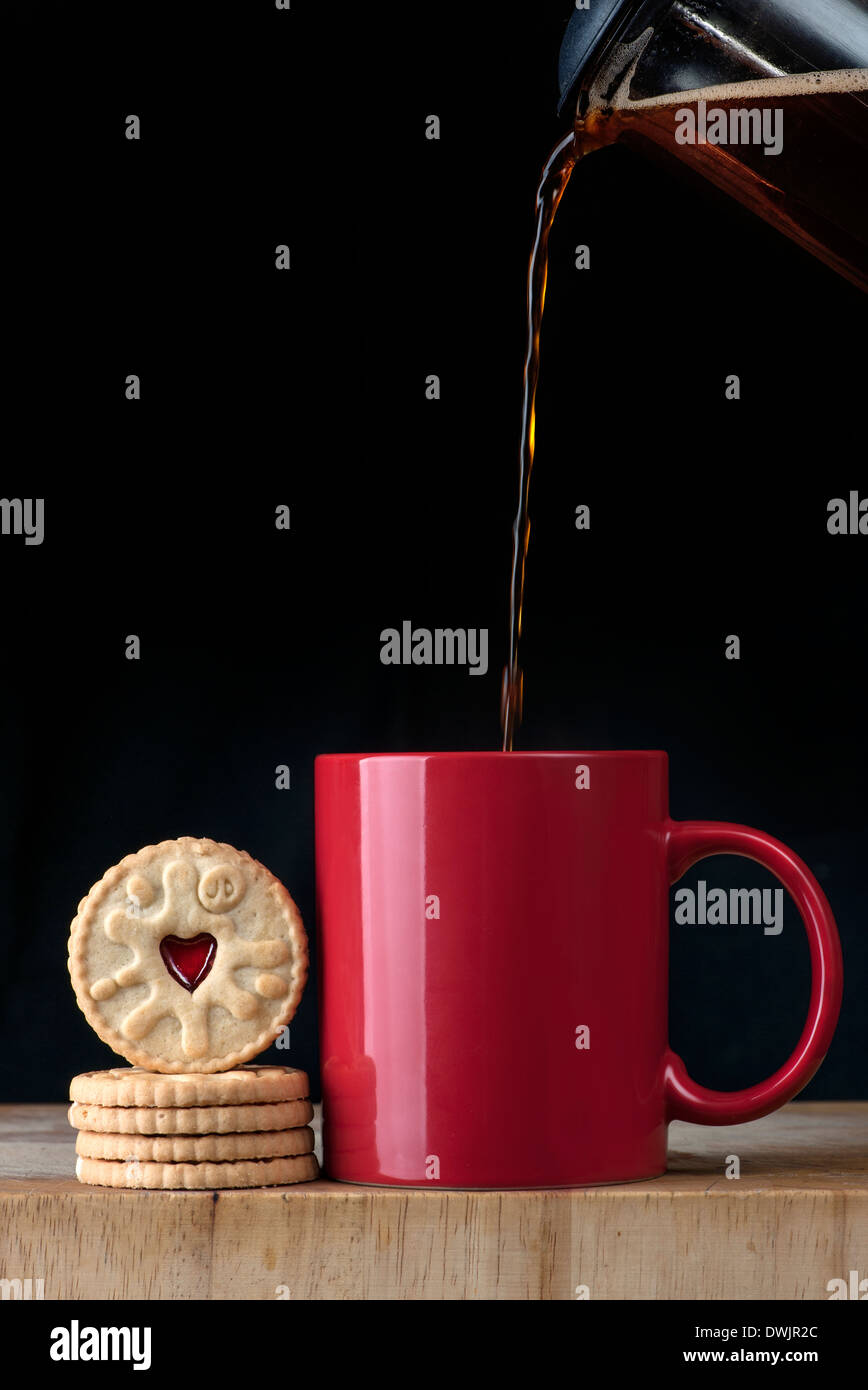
x: 129, y: 1086
x: 139, y: 1056
x: 195, y: 1148
x: 267, y: 1172
x: 214, y: 1119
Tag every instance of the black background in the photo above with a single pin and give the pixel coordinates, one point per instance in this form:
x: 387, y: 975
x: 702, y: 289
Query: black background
x: 307, y: 388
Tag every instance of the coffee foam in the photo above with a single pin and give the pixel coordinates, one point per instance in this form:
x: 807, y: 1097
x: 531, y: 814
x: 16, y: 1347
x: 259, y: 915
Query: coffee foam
x: 762, y: 89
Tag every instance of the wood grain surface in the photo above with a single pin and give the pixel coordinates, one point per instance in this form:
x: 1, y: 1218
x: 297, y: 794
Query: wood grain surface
x: 796, y: 1218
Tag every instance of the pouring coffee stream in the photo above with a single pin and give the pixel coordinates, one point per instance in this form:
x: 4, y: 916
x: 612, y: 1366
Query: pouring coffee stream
x: 766, y: 99
x: 555, y: 178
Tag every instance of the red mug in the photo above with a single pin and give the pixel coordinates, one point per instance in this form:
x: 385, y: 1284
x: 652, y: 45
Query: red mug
x: 493, y: 935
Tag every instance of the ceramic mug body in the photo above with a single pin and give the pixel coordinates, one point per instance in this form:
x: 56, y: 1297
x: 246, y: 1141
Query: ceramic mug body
x: 493, y: 964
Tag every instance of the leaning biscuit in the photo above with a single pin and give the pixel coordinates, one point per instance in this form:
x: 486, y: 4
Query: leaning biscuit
x: 190, y: 1148
x: 268, y: 1172
x: 204, y: 1119
x: 188, y: 956
x: 244, y: 1086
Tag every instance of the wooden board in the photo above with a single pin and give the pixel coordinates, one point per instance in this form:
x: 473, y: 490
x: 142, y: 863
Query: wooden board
x: 795, y: 1219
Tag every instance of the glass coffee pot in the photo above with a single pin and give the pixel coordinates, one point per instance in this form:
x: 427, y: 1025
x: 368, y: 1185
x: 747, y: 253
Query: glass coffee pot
x: 768, y: 99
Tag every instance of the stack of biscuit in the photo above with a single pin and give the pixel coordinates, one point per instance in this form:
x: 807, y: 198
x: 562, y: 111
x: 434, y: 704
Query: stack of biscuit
x: 189, y: 958
x: 242, y: 1128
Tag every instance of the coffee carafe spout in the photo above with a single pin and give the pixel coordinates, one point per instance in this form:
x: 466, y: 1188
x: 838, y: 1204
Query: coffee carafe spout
x: 587, y: 34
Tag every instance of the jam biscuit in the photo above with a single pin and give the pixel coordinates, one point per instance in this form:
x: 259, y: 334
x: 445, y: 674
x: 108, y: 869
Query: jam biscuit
x: 188, y: 957
x: 203, y: 1119
x: 244, y: 1086
x: 189, y: 1148
x: 266, y: 1172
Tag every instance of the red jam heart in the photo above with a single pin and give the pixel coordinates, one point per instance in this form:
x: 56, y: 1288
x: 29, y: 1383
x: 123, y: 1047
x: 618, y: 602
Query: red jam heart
x: 188, y: 961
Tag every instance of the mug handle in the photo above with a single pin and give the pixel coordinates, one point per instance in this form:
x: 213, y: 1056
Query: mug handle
x: 689, y: 841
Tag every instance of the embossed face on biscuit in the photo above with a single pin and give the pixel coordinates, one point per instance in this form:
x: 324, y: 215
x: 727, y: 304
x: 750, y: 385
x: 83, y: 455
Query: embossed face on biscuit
x: 188, y: 956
